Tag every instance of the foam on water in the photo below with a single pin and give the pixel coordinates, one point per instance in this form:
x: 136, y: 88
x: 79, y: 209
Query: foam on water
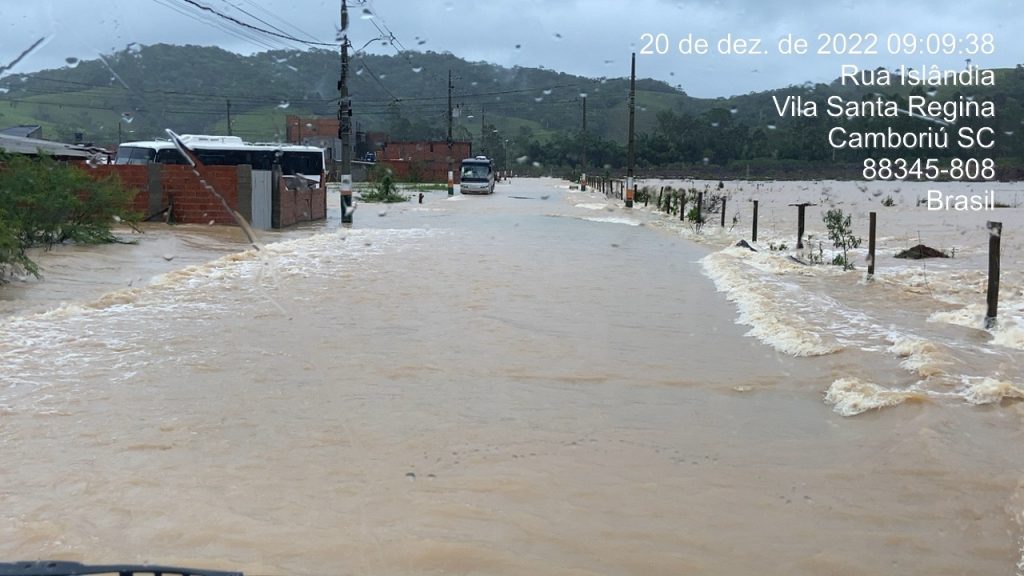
x: 103, y: 334
x: 593, y: 206
x: 991, y: 391
x: 613, y: 220
x: 760, y: 309
x: 918, y: 355
x: 1009, y: 329
x: 852, y: 396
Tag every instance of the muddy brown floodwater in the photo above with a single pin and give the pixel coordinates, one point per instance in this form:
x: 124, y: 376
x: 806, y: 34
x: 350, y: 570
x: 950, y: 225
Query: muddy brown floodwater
x: 512, y: 384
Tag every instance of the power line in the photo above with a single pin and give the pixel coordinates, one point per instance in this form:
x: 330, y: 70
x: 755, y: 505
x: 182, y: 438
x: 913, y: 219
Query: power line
x: 241, y: 35
x: 255, y: 28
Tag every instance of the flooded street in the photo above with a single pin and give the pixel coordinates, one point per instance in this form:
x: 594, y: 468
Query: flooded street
x: 526, y: 383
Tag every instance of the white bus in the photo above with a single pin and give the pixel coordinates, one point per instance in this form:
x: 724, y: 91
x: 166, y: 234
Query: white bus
x: 294, y: 160
x: 477, y: 176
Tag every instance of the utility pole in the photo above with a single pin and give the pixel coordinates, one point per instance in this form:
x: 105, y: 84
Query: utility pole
x: 229, y: 117
x: 483, y: 142
x: 345, y: 123
x: 583, y: 161
x: 632, y: 148
x: 451, y: 173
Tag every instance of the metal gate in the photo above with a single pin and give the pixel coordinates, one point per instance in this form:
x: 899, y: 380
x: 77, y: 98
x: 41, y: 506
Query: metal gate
x: 261, y: 199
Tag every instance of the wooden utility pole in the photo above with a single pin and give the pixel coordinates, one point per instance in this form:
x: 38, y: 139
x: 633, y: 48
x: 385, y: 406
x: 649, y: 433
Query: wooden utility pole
x: 451, y: 175
x: 583, y: 160
x: 345, y: 122
x: 632, y: 147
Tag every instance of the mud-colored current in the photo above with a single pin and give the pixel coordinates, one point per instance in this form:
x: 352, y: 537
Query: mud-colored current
x: 546, y: 384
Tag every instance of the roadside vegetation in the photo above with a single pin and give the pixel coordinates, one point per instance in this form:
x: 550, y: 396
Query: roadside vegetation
x: 44, y: 203
x: 383, y: 187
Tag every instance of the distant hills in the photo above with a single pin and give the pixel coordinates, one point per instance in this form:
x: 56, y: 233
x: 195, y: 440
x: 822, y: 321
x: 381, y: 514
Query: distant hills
x: 143, y: 90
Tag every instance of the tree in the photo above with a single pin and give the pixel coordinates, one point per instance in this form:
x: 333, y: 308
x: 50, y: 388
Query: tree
x: 840, y: 232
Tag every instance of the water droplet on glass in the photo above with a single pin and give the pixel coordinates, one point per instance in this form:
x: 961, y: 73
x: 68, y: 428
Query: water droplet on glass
x: 367, y: 14
x: 733, y: 110
x: 359, y: 72
x: 536, y: 164
x: 547, y: 92
x: 449, y: 6
x: 522, y: 159
x: 418, y: 69
x: 519, y: 46
x: 127, y: 117
x: 211, y: 222
x: 604, y: 80
x: 71, y: 60
x: 931, y: 93
x: 706, y: 160
x: 771, y: 126
x: 538, y: 99
x: 643, y: 108
x: 473, y: 83
x: 284, y: 104
x: 583, y: 94
x: 1008, y: 132
x: 382, y: 76
x: 969, y: 98
x: 421, y: 42
x: 714, y: 124
x: 558, y: 36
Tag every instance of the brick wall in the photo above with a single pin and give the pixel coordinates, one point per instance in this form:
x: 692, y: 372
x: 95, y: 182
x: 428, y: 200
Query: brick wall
x: 157, y: 186
x: 135, y: 178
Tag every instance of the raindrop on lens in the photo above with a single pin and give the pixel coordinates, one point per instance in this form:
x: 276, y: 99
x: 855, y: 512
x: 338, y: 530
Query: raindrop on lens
x: 733, y: 110
x: 127, y: 117
x: 714, y: 124
x: 536, y: 164
x: 449, y: 6
x: 367, y: 15
x: 418, y: 69
x: 71, y: 60
x: 522, y: 159
x: 284, y: 104
x: 547, y: 92
x: 538, y: 99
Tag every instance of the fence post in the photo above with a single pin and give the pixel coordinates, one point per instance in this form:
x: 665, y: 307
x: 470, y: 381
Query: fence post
x: 753, y: 237
x: 871, y: 246
x: 682, y: 206
x: 700, y: 207
x: 801, y: 208
x: 995, y: 232
x: 723, y: 212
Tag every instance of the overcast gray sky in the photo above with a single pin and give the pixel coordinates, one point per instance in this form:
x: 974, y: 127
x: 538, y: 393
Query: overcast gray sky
x: 587, y: 37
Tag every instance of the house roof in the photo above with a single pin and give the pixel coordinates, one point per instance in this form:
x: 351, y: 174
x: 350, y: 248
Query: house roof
x: 33, y: 146
x: 24, y: 130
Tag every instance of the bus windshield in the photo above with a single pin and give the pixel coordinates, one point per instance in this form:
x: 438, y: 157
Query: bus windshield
x: 476, y: 172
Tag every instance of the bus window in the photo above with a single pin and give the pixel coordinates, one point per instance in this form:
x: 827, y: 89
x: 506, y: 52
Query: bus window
x: 134, y: 155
